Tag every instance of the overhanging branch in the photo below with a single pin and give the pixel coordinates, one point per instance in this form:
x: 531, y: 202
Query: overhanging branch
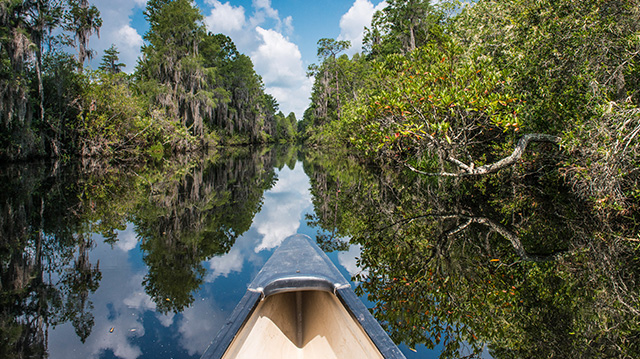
x: 471, y: 170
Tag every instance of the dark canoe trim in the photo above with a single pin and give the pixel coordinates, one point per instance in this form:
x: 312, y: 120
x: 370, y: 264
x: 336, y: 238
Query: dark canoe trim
x: 232, y: 326
x: 378, y: 336
x: 297, y: 265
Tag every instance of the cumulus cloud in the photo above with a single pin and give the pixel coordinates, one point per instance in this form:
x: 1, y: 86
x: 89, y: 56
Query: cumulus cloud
x: 224, y: 18
x: 116, y: 29
x: 127, y: 239
x: 202, y: 319
x: 129, y: 38
x: 261, y: 33
x: 279, y: 62
x: 265, y: 6
x: 354, y: 21
x: 223, y: 265
x: 277, y: 59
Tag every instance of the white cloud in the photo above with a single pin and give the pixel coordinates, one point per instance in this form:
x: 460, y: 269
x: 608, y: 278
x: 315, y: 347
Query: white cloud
x: 279, y: 62
x: 224, y: 18
x: 278, y: 59
x: 129, y: 38
x: 354, y: 21
x: 265, y: 5
x: 127, y: 239
x: 225, y: 264
x: 166, y: 320
x: 118, y: 307
x: 287, y: 25
x: 116, y: 29
x: 198, y: 325
x: 259, y: 31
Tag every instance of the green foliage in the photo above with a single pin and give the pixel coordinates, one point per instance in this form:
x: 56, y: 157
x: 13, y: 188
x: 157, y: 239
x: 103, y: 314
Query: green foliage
x: 82, y: 20
x: 186, y: 77
x: 110, y: 60
x: 431, y: 99
x: 337, y: 81
x: 573, y: 63
x: 514, y: 265
x: 402, y: 26
x: 286, y: 127
x: 452, y: 86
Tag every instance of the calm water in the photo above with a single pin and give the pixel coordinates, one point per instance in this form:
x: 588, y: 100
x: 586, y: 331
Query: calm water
x: 127, y: 322
x: 147, y: 262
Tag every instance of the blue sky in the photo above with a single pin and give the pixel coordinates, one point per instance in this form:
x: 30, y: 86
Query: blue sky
x: 280, y: 36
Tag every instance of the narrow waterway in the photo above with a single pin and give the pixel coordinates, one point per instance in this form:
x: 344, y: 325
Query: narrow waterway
x: 103, y: 261
x: 127, y: 321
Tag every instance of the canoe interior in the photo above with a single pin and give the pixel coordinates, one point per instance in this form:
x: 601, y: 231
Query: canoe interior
x: 306, y: 324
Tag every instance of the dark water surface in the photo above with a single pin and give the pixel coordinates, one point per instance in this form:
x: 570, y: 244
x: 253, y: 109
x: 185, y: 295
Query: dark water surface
x: 131, y: 261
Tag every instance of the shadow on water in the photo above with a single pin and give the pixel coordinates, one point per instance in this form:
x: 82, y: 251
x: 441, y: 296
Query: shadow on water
x: 508, y: 265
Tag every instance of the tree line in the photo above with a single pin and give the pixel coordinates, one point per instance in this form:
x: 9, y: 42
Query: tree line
x: 190, y: 90
x: 457, y: 88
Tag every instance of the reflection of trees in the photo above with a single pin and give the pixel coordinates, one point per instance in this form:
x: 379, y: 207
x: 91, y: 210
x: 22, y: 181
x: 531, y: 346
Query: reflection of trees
x: 197, y: 214
x: 46, y: 274
x: 508, y: 261
x: 185, y: 210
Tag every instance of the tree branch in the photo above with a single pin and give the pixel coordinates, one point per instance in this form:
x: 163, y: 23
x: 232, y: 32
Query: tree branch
x: 493, y: 167
x: 516, y: 154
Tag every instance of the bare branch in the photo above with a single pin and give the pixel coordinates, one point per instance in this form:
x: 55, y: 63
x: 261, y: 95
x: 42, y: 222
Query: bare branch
x: 516, y: 154
x: 470, y: 170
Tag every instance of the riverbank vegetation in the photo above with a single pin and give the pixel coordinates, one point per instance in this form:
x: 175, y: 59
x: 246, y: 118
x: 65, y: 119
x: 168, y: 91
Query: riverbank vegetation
x: 190, y: 91
x: 509, y: 264
x: 469, y: 88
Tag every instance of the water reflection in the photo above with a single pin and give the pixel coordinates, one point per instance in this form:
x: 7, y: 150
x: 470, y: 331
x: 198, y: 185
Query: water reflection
x: 140, y: 261
x: 510, y: 265
x: 137, y: 262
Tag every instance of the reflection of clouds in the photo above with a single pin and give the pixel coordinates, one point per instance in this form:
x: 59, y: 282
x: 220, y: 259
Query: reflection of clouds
x: 127, y: 239
x: 223, y: 265
x: 349, y: 260
x: 165, y: 319
x: 283, y: 207
x: 118, y: 303
x: 121, y: 302
x: 138, y: 299
x: 199, y: 325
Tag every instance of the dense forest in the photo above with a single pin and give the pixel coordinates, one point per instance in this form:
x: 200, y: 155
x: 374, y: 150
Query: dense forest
x: 191, y: 89
x: 463, y: 89
x: 483, y: 155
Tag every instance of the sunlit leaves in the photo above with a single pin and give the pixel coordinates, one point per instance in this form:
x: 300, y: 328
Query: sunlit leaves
x: 433, y: 95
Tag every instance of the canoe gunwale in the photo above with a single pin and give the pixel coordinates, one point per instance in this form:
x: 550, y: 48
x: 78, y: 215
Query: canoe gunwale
x: 298, y: 284
x: 300, y: 265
